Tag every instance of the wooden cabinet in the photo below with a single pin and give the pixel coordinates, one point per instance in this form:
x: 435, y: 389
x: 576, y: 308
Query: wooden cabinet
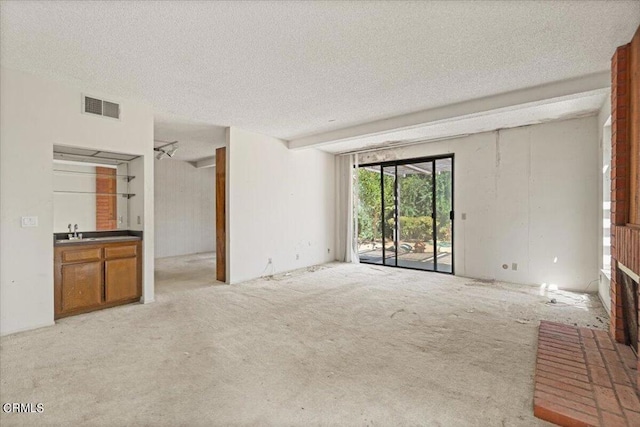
x: 93, y: 276
x: 121, y: 279
x: 81, y: 285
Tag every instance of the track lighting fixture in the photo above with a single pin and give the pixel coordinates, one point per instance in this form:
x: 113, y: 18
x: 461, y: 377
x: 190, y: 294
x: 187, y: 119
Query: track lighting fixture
x: 167, y: 150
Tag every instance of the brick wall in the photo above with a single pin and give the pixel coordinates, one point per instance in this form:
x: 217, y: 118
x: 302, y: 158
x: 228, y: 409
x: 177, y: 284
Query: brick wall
x: 634, y: 130
x: 619, y: 174
x: 620, y: 142
x: 106, y: 206
x: 625, y: 181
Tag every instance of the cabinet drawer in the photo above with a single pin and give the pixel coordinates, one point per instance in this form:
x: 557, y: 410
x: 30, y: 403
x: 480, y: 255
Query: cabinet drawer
x: 121, y: 251
x: 86, y: 254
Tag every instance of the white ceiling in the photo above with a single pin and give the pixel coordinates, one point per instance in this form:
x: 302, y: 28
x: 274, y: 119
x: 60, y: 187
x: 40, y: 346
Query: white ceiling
x: 293, y: 69
x: 195, y: 140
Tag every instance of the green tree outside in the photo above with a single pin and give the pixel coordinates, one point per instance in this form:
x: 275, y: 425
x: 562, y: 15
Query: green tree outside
x: 415, y: 206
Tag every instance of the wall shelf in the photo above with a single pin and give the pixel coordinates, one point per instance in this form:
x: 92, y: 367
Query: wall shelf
x: 128, y: 178
x: 126, y: 195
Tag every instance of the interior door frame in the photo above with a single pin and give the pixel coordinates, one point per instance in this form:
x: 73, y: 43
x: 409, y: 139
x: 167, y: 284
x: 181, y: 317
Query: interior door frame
x: 402, y: 162
x: 221, y: 214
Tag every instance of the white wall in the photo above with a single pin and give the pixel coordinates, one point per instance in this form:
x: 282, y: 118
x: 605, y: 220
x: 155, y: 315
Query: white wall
x: 604, y: 215
x: 530, y: 195
x: 280, y: 206
x: 185, y: 208
x: 140, y: 210
x: 28, y: 131
x: 136, y: 203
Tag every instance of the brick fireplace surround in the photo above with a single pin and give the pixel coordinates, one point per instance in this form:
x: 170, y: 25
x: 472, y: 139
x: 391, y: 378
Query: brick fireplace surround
x: 625, y: 176
x: 586, y: 377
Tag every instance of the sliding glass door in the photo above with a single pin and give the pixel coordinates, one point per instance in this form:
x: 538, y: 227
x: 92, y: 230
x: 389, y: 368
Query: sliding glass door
x: 405, y: 212
x: 443, y: 193
x: 415, y: 211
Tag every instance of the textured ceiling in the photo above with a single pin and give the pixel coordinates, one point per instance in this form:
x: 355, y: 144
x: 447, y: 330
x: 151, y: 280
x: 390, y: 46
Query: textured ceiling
x: 195, y: 140
x: 291, y: 69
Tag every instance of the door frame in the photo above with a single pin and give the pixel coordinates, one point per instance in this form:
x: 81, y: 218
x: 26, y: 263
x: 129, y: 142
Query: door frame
x: 402, y: 162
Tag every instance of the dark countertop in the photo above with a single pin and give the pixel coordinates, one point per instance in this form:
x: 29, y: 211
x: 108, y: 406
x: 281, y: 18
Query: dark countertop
x: 96, y: 237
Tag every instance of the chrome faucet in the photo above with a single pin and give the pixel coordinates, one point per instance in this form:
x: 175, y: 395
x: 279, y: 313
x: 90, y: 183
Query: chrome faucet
x: 75, y: 230
x: 69, y: 227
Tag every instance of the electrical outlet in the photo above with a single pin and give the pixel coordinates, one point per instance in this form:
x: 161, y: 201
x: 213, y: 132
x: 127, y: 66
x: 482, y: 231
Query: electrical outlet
x: 297, y: 256
x: 328, y: 250
x: 139, y: 220
x: 464, y: 216
x: 29, y: 221
x: 514, y: 266
x: 270, y: 261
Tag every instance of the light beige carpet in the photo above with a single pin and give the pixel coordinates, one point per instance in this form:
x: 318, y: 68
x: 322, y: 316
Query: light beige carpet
x: 341, y: 344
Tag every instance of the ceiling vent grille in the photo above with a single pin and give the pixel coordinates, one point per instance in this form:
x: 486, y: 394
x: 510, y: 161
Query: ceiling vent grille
x: 100, y: 107
x: 111, y: 109
x: 92, y: 105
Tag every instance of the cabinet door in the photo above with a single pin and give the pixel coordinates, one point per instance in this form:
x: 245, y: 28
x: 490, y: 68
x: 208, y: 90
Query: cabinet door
x: 121, y: 279
x: 81, y: 286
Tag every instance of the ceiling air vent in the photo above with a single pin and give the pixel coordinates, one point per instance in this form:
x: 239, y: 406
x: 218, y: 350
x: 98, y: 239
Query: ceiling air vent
x: 100, y: 107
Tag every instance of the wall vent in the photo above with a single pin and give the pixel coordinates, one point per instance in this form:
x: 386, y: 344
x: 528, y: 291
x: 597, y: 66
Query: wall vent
x: 100, y: 107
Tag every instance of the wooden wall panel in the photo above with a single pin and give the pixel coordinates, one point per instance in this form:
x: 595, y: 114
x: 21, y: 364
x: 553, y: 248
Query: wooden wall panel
x: 221, y: 214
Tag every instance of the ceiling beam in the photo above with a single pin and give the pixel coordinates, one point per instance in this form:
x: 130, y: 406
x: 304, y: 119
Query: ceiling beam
x: 208, y: 162
x: 540, y: 94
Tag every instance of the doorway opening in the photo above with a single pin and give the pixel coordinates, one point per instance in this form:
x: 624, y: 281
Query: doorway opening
x: 405, y: 213
x: 185, y: 180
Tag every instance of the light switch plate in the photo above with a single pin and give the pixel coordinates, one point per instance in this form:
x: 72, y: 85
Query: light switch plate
x: 29, y: 221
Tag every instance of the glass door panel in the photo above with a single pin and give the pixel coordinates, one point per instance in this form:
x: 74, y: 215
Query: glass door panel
x: 389, y: 209
x: 370, y: 214
x: 415, y: 217
x: 404, y: 214
x: 444, y: 212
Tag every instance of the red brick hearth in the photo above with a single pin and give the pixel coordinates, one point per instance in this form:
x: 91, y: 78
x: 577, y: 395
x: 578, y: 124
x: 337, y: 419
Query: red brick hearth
x: 584, y: 378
